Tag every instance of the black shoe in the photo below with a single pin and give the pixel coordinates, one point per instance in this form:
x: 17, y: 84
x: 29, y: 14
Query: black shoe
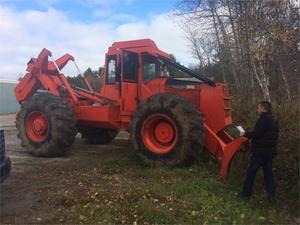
x: 271, y: 199
x: 245, y: 197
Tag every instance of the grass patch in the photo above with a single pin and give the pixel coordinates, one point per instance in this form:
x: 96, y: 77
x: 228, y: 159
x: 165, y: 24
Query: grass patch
x: 121, y: 191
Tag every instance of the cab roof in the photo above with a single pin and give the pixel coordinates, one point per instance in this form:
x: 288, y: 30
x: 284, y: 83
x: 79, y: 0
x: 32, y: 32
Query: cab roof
x: 140, y: 45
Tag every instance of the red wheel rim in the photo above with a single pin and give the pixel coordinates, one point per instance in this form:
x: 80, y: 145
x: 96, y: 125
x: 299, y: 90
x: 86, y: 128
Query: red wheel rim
x: 159, y: 133
x: 37, y: 126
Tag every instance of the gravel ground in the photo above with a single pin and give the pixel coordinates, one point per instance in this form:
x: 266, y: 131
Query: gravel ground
x: 7, y: 121
x: 24, y: 195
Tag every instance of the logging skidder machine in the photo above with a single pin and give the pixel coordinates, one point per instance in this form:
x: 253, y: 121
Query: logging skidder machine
x: 170, y: 112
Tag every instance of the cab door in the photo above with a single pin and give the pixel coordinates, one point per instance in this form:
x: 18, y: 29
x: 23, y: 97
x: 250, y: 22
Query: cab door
x: 111, y: 87
x: 129, y: 90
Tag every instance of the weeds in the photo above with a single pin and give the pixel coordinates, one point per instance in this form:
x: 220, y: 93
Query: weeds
x: 110, y: 186
x: 125, y: 192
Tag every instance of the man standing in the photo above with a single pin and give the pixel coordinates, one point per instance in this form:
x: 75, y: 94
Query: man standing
x: 263, y: 146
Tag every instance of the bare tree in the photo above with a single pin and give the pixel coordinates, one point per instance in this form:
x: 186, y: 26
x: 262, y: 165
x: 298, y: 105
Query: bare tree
x: 255, y: 44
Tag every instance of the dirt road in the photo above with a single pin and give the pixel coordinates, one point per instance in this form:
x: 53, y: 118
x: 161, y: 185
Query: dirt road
x: 37, y: 187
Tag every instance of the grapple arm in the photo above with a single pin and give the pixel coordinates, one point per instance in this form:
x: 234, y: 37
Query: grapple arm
x: 41, y: 74
x: 41, y: 64
x: 45, y: 75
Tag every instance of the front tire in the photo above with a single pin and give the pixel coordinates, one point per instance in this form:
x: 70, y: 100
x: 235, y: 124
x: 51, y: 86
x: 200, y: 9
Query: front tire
x: 46, y: 125
x: 166, y: 129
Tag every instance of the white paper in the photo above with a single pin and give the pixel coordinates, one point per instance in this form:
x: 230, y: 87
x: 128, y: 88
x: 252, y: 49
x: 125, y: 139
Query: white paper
x: 241, y: 130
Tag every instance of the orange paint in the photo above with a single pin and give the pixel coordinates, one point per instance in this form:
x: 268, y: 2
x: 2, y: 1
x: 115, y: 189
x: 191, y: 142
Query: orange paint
x: 120, y: 96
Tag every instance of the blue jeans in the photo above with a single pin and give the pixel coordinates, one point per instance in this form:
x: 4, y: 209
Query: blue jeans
x: 257, y: 161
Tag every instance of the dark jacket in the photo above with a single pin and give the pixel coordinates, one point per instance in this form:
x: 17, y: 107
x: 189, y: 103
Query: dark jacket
x: 265, y: 135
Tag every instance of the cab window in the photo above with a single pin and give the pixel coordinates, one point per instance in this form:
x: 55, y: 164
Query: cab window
x: 150, y: 67
x: 130, y: 66
x: 111, y: 69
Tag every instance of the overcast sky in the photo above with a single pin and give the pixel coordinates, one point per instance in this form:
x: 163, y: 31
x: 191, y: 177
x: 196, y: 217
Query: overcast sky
x: 83, y: 28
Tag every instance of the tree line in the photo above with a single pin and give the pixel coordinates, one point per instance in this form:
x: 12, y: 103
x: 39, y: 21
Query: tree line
x: 94, y: 77
x: 251, y: 45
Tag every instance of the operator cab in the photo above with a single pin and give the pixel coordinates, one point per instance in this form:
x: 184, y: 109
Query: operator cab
x: 135, y: 70
x: 124, y: 59
x: 153, y: 67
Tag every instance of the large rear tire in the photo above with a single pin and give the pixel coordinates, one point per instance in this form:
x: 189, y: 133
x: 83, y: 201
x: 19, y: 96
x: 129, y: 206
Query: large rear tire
x: 46, y: 125
x: 98, y: 136
x: 166, y: 129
